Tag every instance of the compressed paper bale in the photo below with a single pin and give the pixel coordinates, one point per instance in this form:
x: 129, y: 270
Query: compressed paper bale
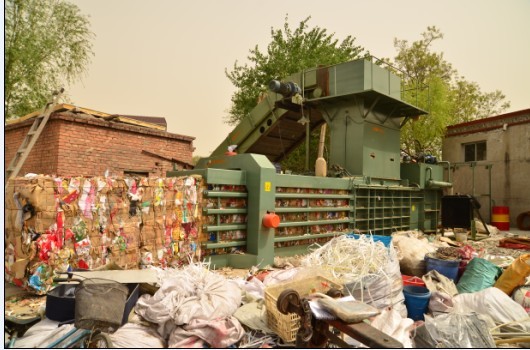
x: 170, y: 197
x: 159, y: 238
x: 43, y: 220
x: 9, y: 201
x: 148, y: 217
x: 119, y: 188
x: 148, y: 195
x: 95, y: 241
x: 10, y: 218
x: 147, y: 234
x: 39, y: 192
x: 158, y: 213
x: 33, y: 193
x: 113, y: 212
x: 127, y: 259
x: 132, y: 222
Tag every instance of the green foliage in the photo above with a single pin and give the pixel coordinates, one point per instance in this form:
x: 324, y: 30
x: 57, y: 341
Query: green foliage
x: 433, y: 84
x: 195, y: 159
x: 47, y: 44
x: 423, y: 134
x: 295, y: 161
x: 290, y: 51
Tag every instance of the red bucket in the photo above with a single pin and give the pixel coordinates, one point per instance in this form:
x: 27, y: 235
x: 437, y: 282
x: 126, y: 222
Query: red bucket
x: 500, y: 218
x: 412, y: 281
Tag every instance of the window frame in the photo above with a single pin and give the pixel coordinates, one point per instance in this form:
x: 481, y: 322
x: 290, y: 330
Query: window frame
x: 476, y: 151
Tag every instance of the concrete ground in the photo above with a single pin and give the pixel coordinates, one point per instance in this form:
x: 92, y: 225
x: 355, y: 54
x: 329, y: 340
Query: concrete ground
x: 516, y: 231
x: 11, y: 289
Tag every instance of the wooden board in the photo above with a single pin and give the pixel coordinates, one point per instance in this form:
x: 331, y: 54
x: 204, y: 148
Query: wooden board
x: 69, y: 107
x: 122, y: 276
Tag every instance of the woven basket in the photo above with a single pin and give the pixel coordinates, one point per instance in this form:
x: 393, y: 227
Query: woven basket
x: 286, y: 326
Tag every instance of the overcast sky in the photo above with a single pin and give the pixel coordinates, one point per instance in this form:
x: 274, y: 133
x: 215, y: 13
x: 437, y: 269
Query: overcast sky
x: 167, y: 58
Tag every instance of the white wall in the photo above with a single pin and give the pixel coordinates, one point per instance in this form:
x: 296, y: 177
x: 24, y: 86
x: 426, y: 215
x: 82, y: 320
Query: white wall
x: 508, y: 151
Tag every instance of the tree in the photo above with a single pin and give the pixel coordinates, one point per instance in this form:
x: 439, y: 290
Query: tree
x: 433, y: 84
x: 47, y: 44
x: 290, y: 51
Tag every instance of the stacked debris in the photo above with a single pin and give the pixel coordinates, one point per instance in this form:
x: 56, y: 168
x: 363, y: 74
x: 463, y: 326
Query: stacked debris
x: 59, y: 224
x: 460, y: 292
x: 457, y: 294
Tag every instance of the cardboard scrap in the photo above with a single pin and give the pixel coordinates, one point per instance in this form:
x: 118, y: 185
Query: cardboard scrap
x: 84, y: 223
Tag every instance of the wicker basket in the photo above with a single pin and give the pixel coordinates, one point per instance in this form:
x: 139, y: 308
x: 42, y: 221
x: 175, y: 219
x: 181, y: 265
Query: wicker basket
x: 286, y: 326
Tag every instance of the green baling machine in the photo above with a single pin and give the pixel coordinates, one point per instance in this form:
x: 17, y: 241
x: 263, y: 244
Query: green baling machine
x: 254, y: 212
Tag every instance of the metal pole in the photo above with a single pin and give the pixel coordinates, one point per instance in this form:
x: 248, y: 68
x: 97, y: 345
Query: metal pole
x: 491, y: 198
x: 472, y: 165
x: 307, y: 131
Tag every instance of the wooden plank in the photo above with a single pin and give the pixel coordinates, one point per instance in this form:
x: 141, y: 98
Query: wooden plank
x: 366, y: 334
x: 88, y: 111
x: 59, y: 107
x: 122, y: 276
x: 139, y: 123
x: 69, y: 107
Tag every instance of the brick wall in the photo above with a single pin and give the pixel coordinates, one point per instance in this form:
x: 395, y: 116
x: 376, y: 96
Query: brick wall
x: 81, y: 145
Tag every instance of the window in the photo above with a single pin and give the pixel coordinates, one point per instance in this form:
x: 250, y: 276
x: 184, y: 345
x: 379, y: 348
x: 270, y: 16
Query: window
x: 475, y: 151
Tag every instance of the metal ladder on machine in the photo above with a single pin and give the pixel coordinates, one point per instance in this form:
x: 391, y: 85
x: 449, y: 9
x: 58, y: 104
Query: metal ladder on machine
x: 32, y: 136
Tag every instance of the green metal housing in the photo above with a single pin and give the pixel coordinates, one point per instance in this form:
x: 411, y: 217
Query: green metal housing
x: 361, y: 103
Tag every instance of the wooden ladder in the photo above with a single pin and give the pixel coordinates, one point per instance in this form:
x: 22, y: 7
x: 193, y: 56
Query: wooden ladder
x: 32, y: 136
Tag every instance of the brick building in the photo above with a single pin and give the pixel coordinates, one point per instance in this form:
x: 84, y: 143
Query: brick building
x: 81, y: 142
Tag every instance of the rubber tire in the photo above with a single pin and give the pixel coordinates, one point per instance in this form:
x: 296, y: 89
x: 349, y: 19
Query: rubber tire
x: 98, y: 341
x: 283, y: 302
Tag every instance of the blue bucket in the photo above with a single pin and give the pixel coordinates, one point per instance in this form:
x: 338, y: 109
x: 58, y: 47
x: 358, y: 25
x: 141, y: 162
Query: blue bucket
x: 448, y: 268
x: 416, y: 301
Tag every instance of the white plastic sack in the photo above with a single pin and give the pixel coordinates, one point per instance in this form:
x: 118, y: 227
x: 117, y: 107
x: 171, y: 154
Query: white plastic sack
x: 136, y: 336
x: 456, y: 330
x: 411, y: 253
x: 494, y: 303
x: 440, y: 302
x: 43, y: 333
x: 392, y: 323
x: 256, y: 288
x: 382, y: 289
x: 280, y: 276
x: 216, y: 333
x: 436, y: 282
x: 189, y: 293
x: 254, y: 316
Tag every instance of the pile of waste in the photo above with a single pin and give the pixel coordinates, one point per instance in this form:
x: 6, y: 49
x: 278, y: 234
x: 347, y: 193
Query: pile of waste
x: 408, y: 288
x: 464, y: 294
